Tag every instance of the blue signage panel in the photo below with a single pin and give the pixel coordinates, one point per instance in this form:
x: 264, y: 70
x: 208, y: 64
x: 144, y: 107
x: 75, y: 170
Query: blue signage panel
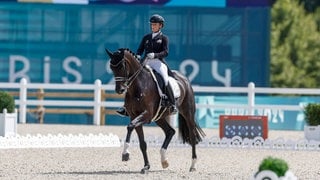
x: 277, y: 119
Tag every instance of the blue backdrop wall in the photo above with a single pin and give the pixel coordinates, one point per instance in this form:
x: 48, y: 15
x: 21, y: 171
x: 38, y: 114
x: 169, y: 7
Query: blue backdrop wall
x: 216, y: 44
x: 65, y: 43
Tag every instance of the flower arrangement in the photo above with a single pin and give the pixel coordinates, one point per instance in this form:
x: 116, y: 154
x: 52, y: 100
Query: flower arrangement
x: 6, y: 102
x: 312, y: 114
x: 274, y: 168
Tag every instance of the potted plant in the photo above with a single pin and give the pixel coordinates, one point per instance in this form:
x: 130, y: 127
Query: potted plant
x: 8, y: 115
x: 274, y: 168
x: 312, y: 121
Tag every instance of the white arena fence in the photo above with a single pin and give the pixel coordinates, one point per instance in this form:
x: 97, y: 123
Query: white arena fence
x: 111, y: 140
x: 59, y: 141
x: 96, y: 103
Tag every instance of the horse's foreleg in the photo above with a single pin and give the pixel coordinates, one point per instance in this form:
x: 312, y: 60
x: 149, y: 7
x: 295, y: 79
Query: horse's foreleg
x: 125, y: 152
x: 134, y: 123
x: 143, y: 148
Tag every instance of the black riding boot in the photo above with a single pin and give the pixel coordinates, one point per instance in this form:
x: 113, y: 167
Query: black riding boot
x: 122, y: 111
x: 171, y: 99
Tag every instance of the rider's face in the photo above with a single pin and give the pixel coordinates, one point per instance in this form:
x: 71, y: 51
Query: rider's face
x: 155, y: 27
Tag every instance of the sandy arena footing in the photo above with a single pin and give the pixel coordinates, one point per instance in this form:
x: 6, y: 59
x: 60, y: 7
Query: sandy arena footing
x: 105, y: 162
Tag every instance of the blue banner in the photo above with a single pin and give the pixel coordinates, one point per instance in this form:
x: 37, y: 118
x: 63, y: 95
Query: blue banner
x: 189, y: 3
x: 66, y: 44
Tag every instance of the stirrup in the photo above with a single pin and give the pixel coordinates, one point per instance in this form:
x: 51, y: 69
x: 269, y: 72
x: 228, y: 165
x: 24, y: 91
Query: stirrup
x: 164, y: 97
x: 122, y: 112
x: 173, y: 109
x: 165, y: 102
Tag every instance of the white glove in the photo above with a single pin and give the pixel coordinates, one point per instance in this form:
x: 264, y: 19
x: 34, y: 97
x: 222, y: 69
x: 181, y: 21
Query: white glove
x: 150, y: 55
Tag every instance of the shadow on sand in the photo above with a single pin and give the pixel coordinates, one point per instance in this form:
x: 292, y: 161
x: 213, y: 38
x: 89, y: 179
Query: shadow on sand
x: 98, y: 172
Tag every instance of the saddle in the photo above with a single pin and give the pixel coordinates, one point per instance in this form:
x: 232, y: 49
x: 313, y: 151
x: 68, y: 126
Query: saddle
x: 161, y: 86
x: 158, y: 79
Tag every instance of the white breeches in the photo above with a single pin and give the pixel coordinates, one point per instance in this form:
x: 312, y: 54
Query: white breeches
x: 160, y: 67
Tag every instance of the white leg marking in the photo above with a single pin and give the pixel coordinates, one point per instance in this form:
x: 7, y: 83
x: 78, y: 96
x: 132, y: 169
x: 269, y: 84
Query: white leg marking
x: 163, y: 154
x: 125, y: 148
x: 193, y: 163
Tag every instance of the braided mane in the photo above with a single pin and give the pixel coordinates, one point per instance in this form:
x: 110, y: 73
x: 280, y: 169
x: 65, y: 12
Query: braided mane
x: 131, y: 52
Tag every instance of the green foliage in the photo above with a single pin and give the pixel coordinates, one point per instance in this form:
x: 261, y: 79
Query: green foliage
x: 278, y: 166
x: 6, y: 102
x: 295, y: 42
x: 312, y: 114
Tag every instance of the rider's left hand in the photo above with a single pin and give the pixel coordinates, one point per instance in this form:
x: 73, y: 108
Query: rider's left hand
x: 150, y: 55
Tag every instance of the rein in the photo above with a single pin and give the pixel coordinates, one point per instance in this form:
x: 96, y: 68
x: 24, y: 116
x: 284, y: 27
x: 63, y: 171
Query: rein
x: 129, y: 81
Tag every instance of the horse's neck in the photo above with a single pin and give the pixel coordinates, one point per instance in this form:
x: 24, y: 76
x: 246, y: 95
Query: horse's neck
x: 142, y: 78
x: 134, y: 65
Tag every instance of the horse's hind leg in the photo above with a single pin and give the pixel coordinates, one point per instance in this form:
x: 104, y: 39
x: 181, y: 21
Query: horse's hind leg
x: 169, y: 132
x: 194, y: 158
x: 189, y: 133
x: 192, y: 135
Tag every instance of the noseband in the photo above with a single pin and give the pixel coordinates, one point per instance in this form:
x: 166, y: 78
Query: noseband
x: 127, y: 80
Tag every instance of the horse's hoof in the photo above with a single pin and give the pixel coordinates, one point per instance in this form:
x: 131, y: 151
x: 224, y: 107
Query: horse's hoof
x: 165, y: 164
x: 125, y: 157
x: 145, y: 170
x: 192, y: 170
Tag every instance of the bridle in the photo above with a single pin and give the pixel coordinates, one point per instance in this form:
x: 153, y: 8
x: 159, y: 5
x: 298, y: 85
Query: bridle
x: 127, y: 80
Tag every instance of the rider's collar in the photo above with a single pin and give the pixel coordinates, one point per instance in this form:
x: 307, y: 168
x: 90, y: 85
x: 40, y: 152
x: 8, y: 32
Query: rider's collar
x: 155, y: 34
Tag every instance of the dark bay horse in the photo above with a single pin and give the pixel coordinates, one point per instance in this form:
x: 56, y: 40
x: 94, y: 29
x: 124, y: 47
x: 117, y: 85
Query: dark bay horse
x: 142, y: 101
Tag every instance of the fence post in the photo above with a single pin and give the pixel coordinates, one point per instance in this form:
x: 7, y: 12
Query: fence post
x: 40, y: 109
x: 102, y: 109
x: 97, y: 102
x: 251, y: 98
x: 23, y: 101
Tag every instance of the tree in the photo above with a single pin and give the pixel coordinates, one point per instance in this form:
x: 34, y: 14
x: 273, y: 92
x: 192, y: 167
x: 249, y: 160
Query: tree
x: 310, y: 5
x: 295, y: 46
x: 317, y: 18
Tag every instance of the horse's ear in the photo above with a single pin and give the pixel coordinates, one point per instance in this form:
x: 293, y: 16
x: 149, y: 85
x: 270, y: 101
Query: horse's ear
x: 109, y: 53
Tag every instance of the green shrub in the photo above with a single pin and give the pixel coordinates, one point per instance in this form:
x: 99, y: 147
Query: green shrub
x: 312, y: 114
x: 278, y: 166
x: 6, y: 102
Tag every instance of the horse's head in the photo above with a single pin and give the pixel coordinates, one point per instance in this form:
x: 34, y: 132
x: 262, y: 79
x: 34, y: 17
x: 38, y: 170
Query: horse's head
x: 124, y: 66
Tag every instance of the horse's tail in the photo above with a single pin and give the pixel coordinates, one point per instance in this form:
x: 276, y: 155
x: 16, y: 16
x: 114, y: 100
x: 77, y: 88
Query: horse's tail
x: 184, y: 130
